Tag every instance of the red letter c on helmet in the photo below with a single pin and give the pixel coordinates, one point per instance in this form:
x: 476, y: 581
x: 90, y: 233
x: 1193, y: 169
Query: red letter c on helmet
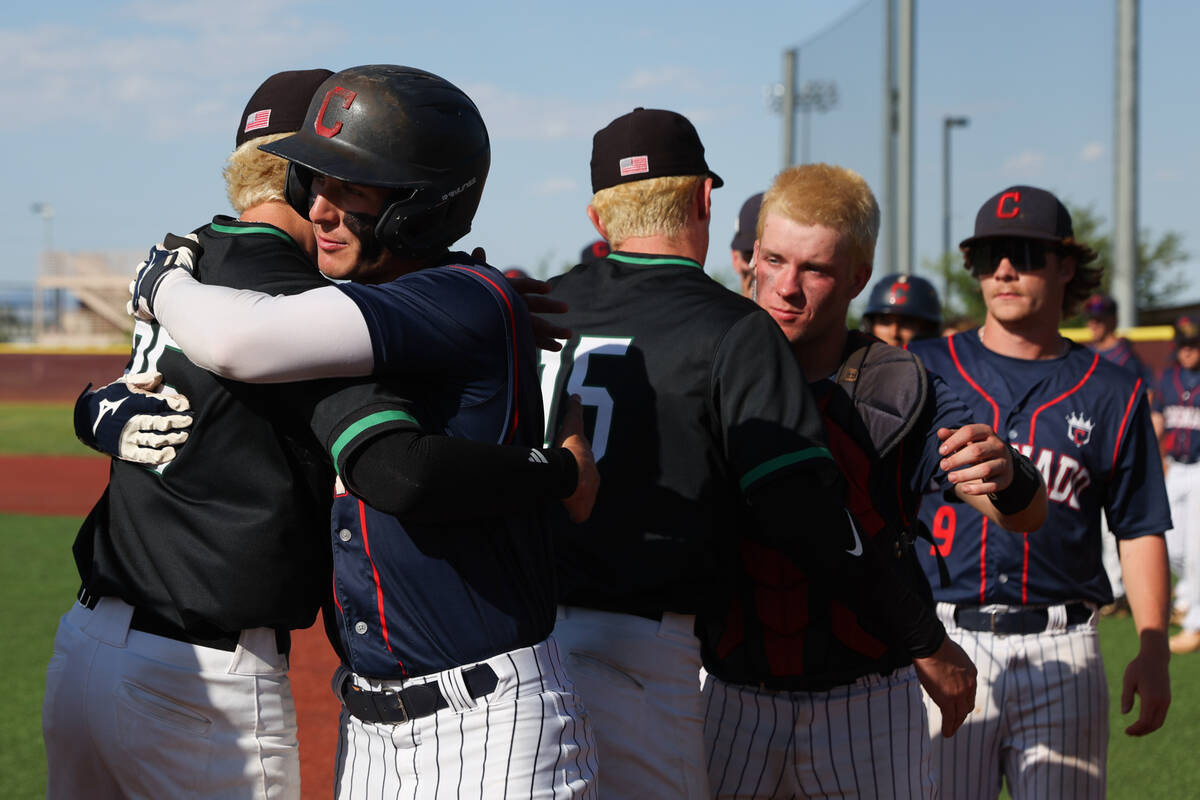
x: 319, y: 124
x: 1001, y: 211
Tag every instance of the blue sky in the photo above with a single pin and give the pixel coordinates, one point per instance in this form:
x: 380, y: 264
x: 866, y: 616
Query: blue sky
x: 121, y: 114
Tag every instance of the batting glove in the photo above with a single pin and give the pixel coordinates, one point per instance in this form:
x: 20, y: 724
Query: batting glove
x: 131, y: 419
x: 173, y: 252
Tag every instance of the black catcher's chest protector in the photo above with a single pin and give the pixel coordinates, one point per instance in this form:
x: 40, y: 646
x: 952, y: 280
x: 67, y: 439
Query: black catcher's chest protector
x: 785, y: 630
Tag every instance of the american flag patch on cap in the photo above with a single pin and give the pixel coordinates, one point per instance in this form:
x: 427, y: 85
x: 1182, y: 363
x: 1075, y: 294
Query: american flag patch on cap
x: 259, y: 119
x: 635, y: 165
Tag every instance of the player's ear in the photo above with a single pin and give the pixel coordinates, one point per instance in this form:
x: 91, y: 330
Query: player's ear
x: 597, y: 223
x: 1066, y: 266
x: 704, y: 199
x: 862, y: 275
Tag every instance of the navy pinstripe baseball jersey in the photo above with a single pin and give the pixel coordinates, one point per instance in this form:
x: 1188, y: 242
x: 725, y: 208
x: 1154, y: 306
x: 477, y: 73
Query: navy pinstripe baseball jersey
x: 1178, y: 395
x: 1085, y: 423
x: 412, y: 599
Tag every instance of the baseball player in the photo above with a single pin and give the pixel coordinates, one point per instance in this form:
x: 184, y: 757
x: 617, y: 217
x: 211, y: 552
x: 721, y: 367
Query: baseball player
x: 703, y: 429
x: 804, y: 697
x: 1024, y: 606
x: 741, y: 248
x: 594, y: 252
x: 450, y: 683
x: 1178, y: 390
x: 1101, y: 313
x: 902, y: 308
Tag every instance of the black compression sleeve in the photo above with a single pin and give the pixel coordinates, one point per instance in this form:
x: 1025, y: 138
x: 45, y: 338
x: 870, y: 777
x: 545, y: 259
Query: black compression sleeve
x: 815, y: 531
x: 428, y: 478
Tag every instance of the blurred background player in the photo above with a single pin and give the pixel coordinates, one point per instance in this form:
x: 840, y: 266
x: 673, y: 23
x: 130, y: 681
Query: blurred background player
x: 1179, y: 400
x: 1101, y: 313
x: 741, y: 249
x: 902, y: 308
x: 594, y: 252
x: 1024, y: 606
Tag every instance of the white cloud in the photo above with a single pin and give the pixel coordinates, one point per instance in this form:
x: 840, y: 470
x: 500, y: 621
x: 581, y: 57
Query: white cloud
x: 146, y: 77
x: 1024, y: 162
x: 682, y: 79
x: 1092, y: 151
x: 513, y: 115
x: 554, y: 186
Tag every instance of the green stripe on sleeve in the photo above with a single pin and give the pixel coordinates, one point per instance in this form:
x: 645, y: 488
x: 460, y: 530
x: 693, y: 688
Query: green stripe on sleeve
x: 779, y: 462
x: 363, y: 424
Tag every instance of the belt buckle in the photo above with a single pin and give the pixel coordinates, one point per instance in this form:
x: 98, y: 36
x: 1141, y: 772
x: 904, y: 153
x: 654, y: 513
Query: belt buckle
x: 400, y: 705
x: 992, y: 617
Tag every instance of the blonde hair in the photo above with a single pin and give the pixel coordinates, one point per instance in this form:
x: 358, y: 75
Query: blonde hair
x: 653, y: 207
x: 253, y: 177
x: 823, y: 194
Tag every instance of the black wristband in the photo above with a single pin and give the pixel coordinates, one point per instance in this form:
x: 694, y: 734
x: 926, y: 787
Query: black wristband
x: 1025, y: 482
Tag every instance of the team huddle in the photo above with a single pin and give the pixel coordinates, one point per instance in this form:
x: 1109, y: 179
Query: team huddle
x: 665, y: 541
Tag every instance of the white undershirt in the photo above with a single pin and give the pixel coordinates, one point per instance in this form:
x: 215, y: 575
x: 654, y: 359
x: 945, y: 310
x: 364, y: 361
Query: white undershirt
x: 259, y: 338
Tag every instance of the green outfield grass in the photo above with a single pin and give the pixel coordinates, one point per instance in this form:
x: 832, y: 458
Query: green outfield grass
x: 44, y: 428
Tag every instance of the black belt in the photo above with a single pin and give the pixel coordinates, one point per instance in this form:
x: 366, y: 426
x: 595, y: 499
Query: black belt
x: 411, y: 702
x: 148, y: 622
x: 1021, y: 620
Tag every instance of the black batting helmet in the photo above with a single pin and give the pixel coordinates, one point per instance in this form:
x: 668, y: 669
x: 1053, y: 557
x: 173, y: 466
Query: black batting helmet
x: 402, y: 129
x: 906, y: 295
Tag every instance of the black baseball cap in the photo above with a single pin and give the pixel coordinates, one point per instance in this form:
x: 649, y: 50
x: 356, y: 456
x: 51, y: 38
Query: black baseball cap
x: 279, y: 105
x: 1100, y: 305
x: 1025, y: 212
x: 1187, y: 332
x: 745, y: 230
x: 647, y: 143
x: 594, y: 252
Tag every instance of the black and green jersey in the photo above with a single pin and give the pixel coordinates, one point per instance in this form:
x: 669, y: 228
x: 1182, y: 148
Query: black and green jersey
x: 693, y: 401
x: 233, y: 533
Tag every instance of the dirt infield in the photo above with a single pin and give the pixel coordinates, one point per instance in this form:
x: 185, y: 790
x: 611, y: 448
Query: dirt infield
x: 55, y: 377
x: 67, y: 485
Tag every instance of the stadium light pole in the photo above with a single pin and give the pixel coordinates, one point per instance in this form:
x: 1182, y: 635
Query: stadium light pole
x: 46, y: 212
x: 948, y: 122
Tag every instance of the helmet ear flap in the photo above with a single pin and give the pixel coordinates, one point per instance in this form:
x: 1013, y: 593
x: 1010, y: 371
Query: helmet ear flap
x: 297, y: 188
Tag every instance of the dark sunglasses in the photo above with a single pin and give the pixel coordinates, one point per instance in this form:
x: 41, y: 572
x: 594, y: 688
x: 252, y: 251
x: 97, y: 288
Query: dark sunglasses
x: 984, y: 256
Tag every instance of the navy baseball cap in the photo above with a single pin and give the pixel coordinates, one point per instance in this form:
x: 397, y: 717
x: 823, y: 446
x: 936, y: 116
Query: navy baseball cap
x: 279, y: 105
x: 594, y: 252
x: 1100, y: 305
x: 647, y: 143
x: 1187, y: 332
x: 745, y: 230
x: 1024, y: 212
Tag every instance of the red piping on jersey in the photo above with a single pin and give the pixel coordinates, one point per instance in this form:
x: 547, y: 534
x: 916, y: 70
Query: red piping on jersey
x: 516, y: 367
x: 961, y: 371
x: 362, y: 517
x: 1121, y: 430
x: 983, y: 562
x: 1063, y: 396
x: 1025, y: 570
x: 995, y: 427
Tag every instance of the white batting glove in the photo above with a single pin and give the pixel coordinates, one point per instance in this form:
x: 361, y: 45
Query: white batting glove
x: 133, y: 419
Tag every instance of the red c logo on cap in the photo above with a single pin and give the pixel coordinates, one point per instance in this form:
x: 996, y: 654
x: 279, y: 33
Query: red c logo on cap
x: 1001, y: 211
x: 319, y: 125
x: 899, y: 294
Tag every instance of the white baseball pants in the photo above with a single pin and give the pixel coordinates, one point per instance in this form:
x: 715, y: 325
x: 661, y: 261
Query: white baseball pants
x: 529, y: 738
x: 1183, y: 541
x: 1040, y: 718
x: 640, y: 680
x: 133, y: 715
x: 868, y: 739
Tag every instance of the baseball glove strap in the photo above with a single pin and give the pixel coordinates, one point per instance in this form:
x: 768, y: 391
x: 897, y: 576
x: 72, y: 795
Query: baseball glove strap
x: 411, y: 702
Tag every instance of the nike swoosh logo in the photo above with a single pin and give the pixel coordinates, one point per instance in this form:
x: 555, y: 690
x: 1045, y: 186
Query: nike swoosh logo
x: 858, y: 548
x: 106, y: 407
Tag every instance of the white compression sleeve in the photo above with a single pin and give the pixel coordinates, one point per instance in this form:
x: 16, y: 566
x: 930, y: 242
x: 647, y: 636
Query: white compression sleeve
x: 259, y: 338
